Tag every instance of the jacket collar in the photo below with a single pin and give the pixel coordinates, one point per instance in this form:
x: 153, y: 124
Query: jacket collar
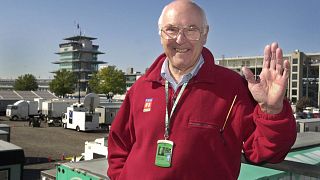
x: 205, y: 74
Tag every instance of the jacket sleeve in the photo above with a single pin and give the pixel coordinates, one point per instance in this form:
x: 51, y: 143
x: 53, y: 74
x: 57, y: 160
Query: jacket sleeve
x: 271, y: 136
x: 120, y: 139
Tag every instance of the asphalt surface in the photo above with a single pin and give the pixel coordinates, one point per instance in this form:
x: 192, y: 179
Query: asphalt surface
x: 44, y: 146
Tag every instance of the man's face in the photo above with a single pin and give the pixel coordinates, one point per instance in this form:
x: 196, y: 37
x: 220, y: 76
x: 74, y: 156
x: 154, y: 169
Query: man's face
x: 182, y: 52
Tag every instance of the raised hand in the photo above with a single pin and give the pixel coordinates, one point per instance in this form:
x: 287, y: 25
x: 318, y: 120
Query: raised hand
x: 270, y: 88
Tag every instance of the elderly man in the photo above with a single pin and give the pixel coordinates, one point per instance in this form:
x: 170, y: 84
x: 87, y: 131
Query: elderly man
x: 188, y: 118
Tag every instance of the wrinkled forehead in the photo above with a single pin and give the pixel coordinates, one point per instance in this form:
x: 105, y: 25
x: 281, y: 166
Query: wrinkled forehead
x: 180, y: 16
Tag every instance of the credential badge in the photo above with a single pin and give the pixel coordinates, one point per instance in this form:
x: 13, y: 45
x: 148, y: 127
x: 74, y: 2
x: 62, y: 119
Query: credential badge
x: 147, y: 105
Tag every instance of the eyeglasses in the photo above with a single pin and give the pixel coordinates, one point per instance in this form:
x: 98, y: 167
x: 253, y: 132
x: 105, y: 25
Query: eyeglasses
x: 192, y: 33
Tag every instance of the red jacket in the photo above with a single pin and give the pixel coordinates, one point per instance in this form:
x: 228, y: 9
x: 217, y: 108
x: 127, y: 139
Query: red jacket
x: 200, y: 151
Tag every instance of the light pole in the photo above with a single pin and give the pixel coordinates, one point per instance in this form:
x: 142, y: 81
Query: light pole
x: 79, y: 76
x: 79, y: 59
x: 307, y: 87
x: 79, y: 72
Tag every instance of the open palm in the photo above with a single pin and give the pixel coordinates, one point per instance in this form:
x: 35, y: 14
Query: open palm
x: 270, y: 88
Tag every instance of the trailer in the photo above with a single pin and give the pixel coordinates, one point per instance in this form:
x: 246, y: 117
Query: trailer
x: 55, y: 109
x: 40, y: 101
x: 107, y: 113
x: 22, y: 110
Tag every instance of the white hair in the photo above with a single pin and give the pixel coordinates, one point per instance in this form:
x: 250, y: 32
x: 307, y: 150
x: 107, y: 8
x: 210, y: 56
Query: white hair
x: 203, y: 15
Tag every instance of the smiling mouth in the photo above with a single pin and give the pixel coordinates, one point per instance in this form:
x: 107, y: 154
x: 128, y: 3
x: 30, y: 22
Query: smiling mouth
x: 181, y: 50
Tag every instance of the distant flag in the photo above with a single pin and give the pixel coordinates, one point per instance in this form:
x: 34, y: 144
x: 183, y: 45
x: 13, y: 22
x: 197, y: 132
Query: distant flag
x: 78, y: 27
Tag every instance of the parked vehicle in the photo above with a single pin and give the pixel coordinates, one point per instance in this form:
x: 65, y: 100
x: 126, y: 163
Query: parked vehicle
x: 107, y: 113
x: 54, y: 110
x: 35, y: 121
x: 82, y: 117
x: 40, y: 101
x: 22, y: 110
x: 79, y: 118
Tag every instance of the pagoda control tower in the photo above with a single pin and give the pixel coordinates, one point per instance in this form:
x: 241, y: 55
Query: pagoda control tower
x: 80, y: 56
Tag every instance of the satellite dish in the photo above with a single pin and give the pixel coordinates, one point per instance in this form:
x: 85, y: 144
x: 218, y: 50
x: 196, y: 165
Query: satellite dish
x: 91, y: 101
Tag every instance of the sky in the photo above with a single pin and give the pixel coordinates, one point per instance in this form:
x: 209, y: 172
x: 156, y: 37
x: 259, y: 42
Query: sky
x: 127, y: 32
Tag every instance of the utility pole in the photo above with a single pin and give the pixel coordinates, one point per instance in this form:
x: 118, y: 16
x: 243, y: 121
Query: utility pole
x: 307, y: 87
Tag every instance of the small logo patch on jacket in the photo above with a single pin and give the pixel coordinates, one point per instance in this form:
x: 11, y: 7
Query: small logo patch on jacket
x: 147, y: 105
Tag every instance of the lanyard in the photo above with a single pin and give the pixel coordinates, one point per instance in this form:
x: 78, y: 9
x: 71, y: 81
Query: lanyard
x: 167, y: 120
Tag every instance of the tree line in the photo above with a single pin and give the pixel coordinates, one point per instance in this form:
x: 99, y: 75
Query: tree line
x: 106, y: 80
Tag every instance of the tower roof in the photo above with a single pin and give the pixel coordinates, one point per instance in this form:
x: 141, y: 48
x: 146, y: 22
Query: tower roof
x: 77, y: 38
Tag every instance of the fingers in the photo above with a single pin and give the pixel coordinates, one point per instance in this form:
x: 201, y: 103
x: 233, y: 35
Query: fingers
x: 273, y: 62
x: 279, y: 61
x: 286, y: 70
x: 270, y: 56
x: 267, y: 56
x: 273, y: 58
x: 248, y: 75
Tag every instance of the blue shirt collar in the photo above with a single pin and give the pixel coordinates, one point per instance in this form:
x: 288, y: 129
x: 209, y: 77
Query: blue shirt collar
x: 165, y: 73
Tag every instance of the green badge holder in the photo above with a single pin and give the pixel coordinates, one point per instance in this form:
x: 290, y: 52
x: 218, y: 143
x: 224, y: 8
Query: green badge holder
x: 164, y: 153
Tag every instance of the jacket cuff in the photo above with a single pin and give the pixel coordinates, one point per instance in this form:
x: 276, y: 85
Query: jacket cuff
x: 258, y: 113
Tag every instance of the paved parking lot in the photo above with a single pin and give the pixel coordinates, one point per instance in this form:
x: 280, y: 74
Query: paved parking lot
x: 45, y: 146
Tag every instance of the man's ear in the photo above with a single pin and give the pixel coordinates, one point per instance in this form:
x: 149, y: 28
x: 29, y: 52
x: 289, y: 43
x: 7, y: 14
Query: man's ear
x: 205, y: 35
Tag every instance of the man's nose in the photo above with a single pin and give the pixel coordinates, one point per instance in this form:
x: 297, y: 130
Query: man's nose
x: 181, y: 38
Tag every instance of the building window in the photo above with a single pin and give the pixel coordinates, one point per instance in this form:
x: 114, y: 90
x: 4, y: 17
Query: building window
x: 294, y: 92
x: 295, y: 61
x: 294, y: 99
x: 294, y: 76
x: 294, y: 68
x: 294, y: 84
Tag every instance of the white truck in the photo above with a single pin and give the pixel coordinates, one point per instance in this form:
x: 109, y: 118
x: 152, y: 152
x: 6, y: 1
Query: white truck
x: 80, y: 118
x: 22, y: 110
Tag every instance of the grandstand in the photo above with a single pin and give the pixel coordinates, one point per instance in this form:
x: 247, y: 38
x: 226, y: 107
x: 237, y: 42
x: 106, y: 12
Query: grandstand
x: 9, y: 97
x: 12, y: 95
x: 26, y: 95
x: 45, y: 94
